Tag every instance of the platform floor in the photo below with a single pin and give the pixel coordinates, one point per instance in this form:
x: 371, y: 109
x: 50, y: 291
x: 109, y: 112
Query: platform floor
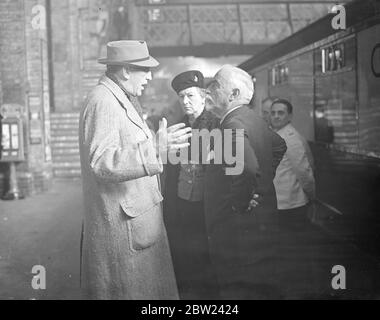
x: 45, y: 230
x: 42, y: 230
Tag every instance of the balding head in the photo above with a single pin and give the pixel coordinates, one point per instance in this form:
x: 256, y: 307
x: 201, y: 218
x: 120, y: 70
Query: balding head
x: 231, y: 87
x: 236, y: 78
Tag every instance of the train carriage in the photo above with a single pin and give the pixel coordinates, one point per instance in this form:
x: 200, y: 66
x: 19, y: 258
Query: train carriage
x: 332, y: 78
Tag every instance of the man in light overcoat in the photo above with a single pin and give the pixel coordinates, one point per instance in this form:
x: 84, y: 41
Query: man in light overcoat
x: 125, y: 252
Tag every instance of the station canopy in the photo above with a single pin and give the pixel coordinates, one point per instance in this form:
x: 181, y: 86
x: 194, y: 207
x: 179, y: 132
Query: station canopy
x: 175, y: 27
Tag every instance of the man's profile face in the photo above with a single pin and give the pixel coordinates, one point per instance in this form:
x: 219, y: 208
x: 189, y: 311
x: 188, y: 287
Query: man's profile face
x: 139, y: 78
x: 280, y: 116
x: 219, y: 97
x: 266, y: 111
x: 192, y: 101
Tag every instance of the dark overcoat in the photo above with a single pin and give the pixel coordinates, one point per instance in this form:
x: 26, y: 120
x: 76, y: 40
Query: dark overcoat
x: 235, y: 237
x: 208, y: 121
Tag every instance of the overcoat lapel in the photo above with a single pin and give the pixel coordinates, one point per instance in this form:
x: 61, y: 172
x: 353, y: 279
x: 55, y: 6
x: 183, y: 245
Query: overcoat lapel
x: 126, y: 104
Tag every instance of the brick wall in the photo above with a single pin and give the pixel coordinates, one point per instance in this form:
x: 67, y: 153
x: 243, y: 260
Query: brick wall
x: 24, y: 81
x: 12, y: 60
x: 12, y: 51
x: 2, y: 167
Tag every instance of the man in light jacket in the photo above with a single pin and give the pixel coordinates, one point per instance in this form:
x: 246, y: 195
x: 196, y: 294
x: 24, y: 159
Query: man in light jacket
x: 295, y: 190
x: 294, y: 181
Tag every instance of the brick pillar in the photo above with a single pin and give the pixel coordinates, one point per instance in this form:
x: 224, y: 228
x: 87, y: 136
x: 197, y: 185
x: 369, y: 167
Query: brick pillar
x: 12, y: 57
x: 38, y: 97
x: 66, y: 55
x: 24, y: 77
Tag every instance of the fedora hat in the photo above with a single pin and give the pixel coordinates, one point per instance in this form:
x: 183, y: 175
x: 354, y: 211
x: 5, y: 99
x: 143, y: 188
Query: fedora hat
x: 129, y: 52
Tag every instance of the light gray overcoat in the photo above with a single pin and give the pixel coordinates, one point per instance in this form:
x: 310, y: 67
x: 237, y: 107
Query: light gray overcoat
x: 125, y: 252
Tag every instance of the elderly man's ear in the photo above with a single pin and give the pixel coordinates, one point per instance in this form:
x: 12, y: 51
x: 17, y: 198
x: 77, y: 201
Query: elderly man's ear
x: 125, y: 73
x: 234, y: 94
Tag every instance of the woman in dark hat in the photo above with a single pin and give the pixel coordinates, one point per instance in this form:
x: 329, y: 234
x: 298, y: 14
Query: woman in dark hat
x: 184, y: 192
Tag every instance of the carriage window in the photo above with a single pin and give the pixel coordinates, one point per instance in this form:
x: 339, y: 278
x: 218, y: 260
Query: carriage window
x: 284, y: 73
x: 331, y: 58
x: 254, y: 80
x: 273, y: 76
x: 339, y: 56
x: 335, y: 107
x: 279, y: 75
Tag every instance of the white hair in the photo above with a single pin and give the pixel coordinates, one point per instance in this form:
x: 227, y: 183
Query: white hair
x: 235, y: 78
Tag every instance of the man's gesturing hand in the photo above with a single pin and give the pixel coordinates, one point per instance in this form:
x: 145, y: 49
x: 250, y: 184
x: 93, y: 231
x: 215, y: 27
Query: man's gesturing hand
x: 173, y: 138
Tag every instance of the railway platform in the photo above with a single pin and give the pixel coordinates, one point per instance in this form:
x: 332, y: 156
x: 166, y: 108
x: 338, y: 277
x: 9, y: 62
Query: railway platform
x: 45, y: 230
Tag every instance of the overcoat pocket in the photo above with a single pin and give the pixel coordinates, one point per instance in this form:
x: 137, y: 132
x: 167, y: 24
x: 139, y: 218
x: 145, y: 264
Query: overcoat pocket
x: 145, y: 223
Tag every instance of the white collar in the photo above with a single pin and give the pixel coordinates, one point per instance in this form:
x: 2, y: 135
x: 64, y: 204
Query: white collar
x: 283, y: 129
x: 229, y: 112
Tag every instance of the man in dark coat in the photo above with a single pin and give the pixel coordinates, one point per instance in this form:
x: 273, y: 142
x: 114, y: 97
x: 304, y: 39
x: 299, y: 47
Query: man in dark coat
x: 184, y: 195
x: 243, y: 239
